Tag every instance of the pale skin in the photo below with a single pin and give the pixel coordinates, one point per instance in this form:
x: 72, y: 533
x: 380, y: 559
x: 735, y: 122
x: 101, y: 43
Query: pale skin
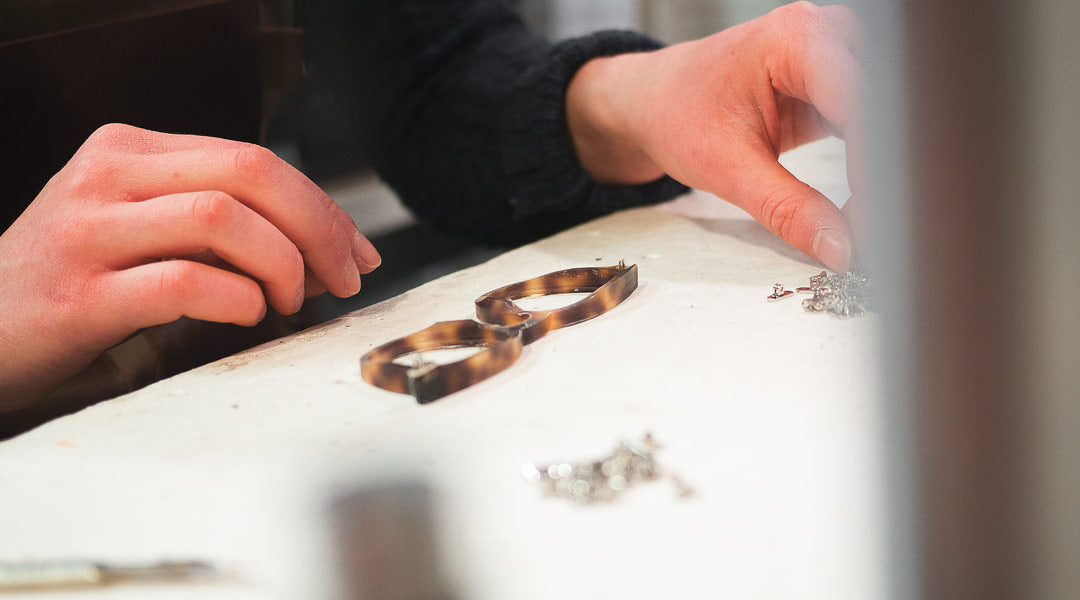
x: 716, y: 113
x: 141, y: 228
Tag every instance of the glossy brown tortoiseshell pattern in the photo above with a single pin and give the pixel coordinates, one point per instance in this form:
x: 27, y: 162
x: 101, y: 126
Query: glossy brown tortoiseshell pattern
x: 427, y: 382
x: 504, y: 329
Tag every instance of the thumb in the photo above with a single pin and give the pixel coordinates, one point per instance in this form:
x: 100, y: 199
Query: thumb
x: 796, y: 212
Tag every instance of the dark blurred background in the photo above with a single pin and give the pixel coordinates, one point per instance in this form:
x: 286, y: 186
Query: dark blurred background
x: 316, y: 127
x: 279, y: 72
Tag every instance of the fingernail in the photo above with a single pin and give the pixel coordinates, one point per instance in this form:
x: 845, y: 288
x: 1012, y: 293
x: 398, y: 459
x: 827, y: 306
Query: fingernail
x: 352, y: 277
x: 364, y: 252
x: 833, y: 249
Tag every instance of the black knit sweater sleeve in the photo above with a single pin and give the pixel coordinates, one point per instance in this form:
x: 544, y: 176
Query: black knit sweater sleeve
x: 465, y: 115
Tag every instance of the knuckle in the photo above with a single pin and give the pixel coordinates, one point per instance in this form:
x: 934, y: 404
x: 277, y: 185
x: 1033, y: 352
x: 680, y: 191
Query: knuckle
x: 214, y: 210
x: 801, y: 18
x: 110, y: 135
x: 800, y: 11
x: 252, y: 162
x: 93, y: 175
x: 174, y: 279
x: 295, y: 268
x: 778, y: 212
x: 331, y: 233
x: 327, y: 204
x: 339, y: 225
x: 799, y: 25
x: 333, y: 227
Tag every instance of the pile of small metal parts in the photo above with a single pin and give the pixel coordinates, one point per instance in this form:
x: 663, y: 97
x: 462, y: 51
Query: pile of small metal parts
x: 601, y: 480
x: 843, y: 294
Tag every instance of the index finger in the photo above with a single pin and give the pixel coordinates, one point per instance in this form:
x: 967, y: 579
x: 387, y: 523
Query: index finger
x: 819, y: 67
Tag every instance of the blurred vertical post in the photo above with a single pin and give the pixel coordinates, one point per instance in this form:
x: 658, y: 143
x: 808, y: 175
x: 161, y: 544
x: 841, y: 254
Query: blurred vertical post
x: 985, y: 390
x: 388, y: 543
x: 889, y: 224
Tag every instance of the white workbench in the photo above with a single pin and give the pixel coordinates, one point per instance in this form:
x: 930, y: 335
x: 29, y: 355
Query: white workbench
x: 769, y: 412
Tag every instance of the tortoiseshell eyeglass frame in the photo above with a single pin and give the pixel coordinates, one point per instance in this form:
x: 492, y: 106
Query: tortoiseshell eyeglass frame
x: 503, y: 330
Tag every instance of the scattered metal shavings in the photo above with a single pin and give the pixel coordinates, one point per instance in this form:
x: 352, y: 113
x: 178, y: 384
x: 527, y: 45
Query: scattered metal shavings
x: 604, y: 480
x: 843, y: 294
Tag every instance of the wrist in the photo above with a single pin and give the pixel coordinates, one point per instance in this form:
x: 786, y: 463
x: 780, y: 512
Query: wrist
x: 601, y: 127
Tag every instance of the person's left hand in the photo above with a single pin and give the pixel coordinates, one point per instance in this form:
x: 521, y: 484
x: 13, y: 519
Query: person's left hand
x: 141, y: 228
x: 716, y: 113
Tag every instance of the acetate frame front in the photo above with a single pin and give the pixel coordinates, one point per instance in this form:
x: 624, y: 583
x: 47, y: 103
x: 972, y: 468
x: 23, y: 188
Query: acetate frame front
x: 503, y: 330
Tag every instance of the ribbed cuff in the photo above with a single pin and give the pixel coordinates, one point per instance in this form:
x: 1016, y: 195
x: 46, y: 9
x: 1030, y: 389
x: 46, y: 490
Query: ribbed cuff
x: 538, y: 151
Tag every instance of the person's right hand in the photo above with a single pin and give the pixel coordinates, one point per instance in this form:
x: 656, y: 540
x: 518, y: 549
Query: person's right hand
x: 716, y: 113
x: 141, y: 228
